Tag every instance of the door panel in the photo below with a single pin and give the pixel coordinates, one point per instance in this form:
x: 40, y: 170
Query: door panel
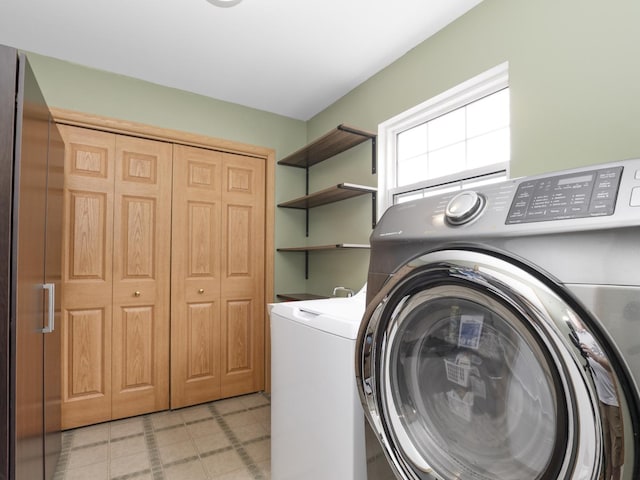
x: 239, y: 249
x: 87, y: 276
x: 141, y: 276
x: 195, y: 289
x: 29, y: 231
x: 203, y: 223
x: 37, y: 239
x: 137, y: 352
x: 88, y: 220
x: 88, y: 355
x: 202, y: 350
x: 242, y: 287
x: 53, y: 274
x: 239, y: 336
x: 202, y: 354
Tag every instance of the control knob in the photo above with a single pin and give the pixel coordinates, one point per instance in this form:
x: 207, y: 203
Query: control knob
x: 464, y: 207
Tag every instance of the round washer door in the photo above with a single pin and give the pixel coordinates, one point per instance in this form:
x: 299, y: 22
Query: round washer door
x: 472, y: 368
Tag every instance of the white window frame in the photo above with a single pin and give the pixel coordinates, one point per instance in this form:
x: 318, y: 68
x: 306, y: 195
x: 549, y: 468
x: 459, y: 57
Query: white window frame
x: 486, y: 83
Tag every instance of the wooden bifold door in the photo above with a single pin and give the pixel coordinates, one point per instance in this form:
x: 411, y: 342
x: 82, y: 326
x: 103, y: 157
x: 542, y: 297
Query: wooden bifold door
x: 217, y: 286
x: 116, y: 267
x: 163, y: 273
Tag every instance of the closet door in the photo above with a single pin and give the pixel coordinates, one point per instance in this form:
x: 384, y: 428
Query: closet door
x: 116, y: 275
x: 87, y: 276
x: 141, y: 276
x: 242, y: 287
x: 217, y: 321
x: 195, y: 285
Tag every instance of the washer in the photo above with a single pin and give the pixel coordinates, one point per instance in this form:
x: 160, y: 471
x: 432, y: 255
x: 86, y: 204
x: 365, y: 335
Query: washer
x: 317, y: 422
x: 500, y: 339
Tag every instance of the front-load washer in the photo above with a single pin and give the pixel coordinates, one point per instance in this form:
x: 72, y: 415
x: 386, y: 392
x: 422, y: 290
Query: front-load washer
x: 500, y: 339
x: 317, y: 422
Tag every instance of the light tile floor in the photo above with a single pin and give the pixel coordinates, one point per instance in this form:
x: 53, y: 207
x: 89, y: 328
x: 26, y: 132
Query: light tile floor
x: 223, y: 440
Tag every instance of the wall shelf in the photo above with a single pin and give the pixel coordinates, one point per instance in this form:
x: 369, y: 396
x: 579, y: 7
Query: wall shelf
x: 342, y: 191
x: 323, y: 247
x: 294, y: 297
x: 306, y: 250
x: 336, y: 141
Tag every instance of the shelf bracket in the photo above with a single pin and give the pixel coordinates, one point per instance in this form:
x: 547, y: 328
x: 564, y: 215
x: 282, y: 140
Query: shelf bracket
x: 306, y: 213
x: 374, y: 149
x: 374, y: 155
x: 374, y: 209
x: 306, y: 181
x: 306, y: 265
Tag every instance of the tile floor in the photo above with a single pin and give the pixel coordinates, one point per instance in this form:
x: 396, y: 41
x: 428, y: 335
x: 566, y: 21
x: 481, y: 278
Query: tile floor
x: 223, y: 440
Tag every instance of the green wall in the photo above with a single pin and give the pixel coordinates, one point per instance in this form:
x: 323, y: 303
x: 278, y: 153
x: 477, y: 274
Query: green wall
x: 574, y: 68
x: 575, y: 100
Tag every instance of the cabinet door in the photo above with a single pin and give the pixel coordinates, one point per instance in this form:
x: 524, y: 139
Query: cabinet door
x: 195, y: 285
x: 242, y: 288
x: 87, y: 276
x: 141, y: 276
x: 53, y: 275
x: 29, y: 238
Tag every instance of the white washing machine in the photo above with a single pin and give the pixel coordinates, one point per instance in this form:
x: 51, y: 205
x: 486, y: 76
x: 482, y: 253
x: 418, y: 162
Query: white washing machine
x: 317, y: 421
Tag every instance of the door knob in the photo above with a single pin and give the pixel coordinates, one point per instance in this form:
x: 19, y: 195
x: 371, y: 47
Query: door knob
x: 137, y: 293
x: 201, y: 290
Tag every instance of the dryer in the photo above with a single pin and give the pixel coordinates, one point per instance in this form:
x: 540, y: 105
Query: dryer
x: 500, y: 338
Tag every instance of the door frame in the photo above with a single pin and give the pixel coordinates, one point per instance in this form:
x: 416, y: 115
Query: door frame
x: 126, y: 127
x: 8, y: 95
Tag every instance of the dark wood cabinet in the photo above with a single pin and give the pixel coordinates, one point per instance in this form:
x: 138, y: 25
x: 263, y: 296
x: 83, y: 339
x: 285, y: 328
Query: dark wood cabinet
x: 31, y: 156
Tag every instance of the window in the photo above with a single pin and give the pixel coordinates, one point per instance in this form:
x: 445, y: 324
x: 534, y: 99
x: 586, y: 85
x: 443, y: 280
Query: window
x: 458, y: 139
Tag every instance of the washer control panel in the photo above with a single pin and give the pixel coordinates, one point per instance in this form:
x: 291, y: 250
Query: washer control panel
x: 590, y: 193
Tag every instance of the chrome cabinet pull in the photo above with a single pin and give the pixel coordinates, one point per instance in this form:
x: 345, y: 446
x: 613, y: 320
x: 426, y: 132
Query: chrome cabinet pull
x: 51, y: 303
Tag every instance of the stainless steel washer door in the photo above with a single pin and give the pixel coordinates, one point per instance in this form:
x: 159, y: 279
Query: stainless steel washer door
x: 467, y: 380
x: 467, y: 371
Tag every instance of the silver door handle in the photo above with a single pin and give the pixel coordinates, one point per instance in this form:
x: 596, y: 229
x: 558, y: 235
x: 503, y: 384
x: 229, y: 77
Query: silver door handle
x: 51, y: 302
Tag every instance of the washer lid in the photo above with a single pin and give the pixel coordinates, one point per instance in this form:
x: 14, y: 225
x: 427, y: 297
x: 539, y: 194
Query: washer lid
x: 338, y: 316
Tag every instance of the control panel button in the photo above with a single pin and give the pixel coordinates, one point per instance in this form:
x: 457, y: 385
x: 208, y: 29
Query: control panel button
x: 464, y: 207
x: 635, y: 197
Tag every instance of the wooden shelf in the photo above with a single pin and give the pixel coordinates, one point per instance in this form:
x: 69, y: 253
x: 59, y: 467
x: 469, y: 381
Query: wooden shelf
x: 336, y: 141
x: 323, y: 247
x: 306, y: 250
x: 342, y: 191
x: 294, y: 297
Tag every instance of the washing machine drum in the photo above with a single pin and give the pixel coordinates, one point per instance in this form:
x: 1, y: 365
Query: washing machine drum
x: 472, y: 366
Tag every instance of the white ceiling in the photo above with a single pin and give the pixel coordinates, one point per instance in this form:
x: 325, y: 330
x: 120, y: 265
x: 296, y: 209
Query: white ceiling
x: 290, y: 57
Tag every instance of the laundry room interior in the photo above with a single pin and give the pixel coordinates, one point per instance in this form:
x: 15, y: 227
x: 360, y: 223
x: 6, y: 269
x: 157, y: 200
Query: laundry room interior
x: 241, y: 274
